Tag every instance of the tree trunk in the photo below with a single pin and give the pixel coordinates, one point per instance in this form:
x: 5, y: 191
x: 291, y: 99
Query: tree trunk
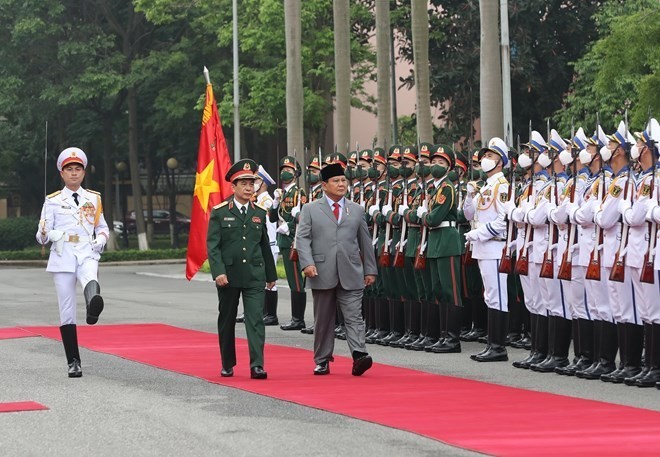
x: 109, y: 194
x: 294, y: 85
x: 490, y: 82
x: 384, y: 105
x: 150, y: 195
x: 134, y: 166
x: 342, y: 13
x: 420, y: 32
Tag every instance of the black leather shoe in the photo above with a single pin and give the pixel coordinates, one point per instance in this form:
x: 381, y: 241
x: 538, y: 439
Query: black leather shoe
x: 447, y: 346
x: 550, y: 364
x: 295, y: 324
x: 532, y: 359
x: 227, y: 372
x: 322, y: 369
x: 523, y: 343
x: 362, y: 364
x: 271, y: 320
x: 75, y: 371
x: 602, y: 368
x: 619, y: 376
x: 308, y: 330
x: 258, y: 373
x: 94, y: 309
x: 494, y: 354
x: 240, y: 319
x: 473, y: 335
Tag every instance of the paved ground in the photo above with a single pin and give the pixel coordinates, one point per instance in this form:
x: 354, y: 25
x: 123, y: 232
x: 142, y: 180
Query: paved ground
x: 121, y: 407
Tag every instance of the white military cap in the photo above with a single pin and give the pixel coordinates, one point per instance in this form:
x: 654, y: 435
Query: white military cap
x: 71, y: 155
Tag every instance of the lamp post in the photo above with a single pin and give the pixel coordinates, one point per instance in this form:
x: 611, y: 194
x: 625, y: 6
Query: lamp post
x: 172, y: 165
x: 121, y: 168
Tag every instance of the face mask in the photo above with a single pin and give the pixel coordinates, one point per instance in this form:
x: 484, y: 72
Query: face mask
x: 373, y: 173
x: 394, y: 172
x: 406, y: 172
x: 524, y: 161
x: 585, y: 157
x: 360, y: 173
x: 286, y: 176
x: 452, y: 176
x: 565, y: 157
x: 422, y: 170
x: 605, y: 154
x: 488, y: 164
x: 474, y: 175
x: 348, y: 173
x: 314, y: 179
x: 544, y: 160
x: 634, y: 152
x: 438, y: 171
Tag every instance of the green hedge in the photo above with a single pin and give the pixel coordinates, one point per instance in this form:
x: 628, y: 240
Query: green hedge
x: 115, y: 256
x: 17, y: 233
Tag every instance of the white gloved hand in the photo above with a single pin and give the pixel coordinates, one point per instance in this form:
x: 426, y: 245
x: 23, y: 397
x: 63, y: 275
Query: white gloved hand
x: 471, y: 188
x: 513, y: 245
x: 509, y: 206
x: 402, y: 209
x: 421, y: 211
x: 283, y: 228
x: 471, y: 235
x: 295, y: 211
x: 571, y: 209
x: 277, y: 197
x: 402, y: 244
x: 423, y: 247
x: 624, y: 205
x: 98, y: 244
x: 651, y: 213
x: 55, y: 235
x: 372, y: 210
x: 387, y: 209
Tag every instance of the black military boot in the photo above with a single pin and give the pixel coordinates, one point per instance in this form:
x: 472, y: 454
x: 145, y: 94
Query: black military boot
x: 451, y: 343
x: 369, y: 316
x: 621, y: 331
x: 94, y: 301
x: 415, y: 321
x: 652, y: 377
x: 434, y: 329
x: 608, y: 349
x: 583, y: 336
x: 442, y: 326
x: 496, y: 351
x: 423, y: 326
x: 648, y: 342
x: 298, y: 305
x: 383, y: 314
x: 525, y: 363
x: 270, y: 308
x: 69, y: 334
x: 561, y: 341
x: 631, y: 354
x: 400, y: 343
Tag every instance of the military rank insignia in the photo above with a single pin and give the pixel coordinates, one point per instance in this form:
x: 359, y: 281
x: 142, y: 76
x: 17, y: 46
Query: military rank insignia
x: 442, y: 198
x: 256, y: 219
x: 504, y: 197
x: 616, y: 191
x: 646, y: 190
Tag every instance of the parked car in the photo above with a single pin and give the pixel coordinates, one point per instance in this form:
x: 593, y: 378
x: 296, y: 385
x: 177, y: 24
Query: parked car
x: 161, y: 219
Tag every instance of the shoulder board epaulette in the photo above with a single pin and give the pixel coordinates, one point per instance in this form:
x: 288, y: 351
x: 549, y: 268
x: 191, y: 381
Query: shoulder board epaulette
x: 259, y: 206
x: 502, y: 180
x: 54, y: 194
x: 220, y: 205
x: 93, y: 191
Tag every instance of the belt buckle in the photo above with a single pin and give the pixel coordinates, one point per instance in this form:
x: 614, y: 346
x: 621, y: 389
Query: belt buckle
x: 74, y: 238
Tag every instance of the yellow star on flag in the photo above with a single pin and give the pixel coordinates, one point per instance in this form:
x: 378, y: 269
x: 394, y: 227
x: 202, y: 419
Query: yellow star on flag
x: 205, y: 185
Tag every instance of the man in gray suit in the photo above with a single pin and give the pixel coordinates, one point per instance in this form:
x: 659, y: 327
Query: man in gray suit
x: 337, y: 258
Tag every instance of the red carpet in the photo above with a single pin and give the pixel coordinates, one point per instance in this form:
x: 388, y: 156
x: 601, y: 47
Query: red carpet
x: 18, y: 406
x: 11, y: 333
x: 484, y: 417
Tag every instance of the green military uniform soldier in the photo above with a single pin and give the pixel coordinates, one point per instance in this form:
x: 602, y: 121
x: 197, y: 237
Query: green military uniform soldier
x: 289, y: 198
x: 241, y: 263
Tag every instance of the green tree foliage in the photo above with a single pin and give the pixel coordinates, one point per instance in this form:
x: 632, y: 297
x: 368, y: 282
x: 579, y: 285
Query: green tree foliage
x: 620, y: 71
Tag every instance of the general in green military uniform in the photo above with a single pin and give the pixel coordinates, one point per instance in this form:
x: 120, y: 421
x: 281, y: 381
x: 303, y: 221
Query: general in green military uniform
x: 241, y: 263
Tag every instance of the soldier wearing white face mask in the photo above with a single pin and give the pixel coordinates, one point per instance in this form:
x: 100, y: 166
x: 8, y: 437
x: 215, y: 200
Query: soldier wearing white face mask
x: 72, y: 220
x: 486, y: 209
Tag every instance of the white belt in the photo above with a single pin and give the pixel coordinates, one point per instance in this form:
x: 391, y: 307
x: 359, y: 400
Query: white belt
x: 77, y: 239
x: 444, y: 224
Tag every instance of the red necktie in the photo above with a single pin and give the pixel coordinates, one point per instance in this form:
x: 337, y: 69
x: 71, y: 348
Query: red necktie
x: 335, y: 210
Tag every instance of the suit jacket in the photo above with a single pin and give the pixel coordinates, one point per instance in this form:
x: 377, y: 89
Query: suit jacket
x: 342, y: 252
x: 239, y: 247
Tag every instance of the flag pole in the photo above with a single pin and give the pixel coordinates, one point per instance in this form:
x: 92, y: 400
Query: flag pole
x: 237, y: 117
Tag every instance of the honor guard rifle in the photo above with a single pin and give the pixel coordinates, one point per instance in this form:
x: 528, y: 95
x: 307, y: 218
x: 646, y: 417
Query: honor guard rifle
x: 293, y: 254
x: 420, y: 252
x: 618, y: 271
x: 384, y: 257
x: 467, y: 255
x: 399, y: 256
x: 648, y: 271
x: 566, y: 266
x: 374, y: 232
x: 522, y: 262
x: 506, y: 264
x: 548, y: 265
x: 42, y: 222
x: 593, y: 269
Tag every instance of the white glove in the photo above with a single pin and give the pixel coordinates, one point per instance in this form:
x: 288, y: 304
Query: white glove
x: 401, y: 244
x: 98, y: 244
x: 283, y: 228
x: 277, y: 196
x: 513, y: 245
x: 295, y: 211
x: 651, y: 213
x: 471, y: 188
x: 402, y: 209
x: 472, y: 235
x: 57, y: 238
x: 423, y: 247
x: 624, y: 205
x: 387, y: 209
x: 421, y: 211
x: 571, y: 209
x: 509, y: 206
x: 372, y: 210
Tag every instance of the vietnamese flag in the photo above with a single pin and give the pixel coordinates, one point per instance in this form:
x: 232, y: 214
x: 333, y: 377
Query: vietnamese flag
x: 213, y: 163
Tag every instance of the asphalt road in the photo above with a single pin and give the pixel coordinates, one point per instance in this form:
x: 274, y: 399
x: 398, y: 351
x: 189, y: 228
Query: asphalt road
x: 125, y: 408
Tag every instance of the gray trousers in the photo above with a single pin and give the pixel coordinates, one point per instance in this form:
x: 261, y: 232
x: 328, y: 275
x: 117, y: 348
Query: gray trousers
x: 325, y: 310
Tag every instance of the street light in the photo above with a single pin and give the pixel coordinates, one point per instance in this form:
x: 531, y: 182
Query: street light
x: 121, y: 168
x: 172, y: 165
